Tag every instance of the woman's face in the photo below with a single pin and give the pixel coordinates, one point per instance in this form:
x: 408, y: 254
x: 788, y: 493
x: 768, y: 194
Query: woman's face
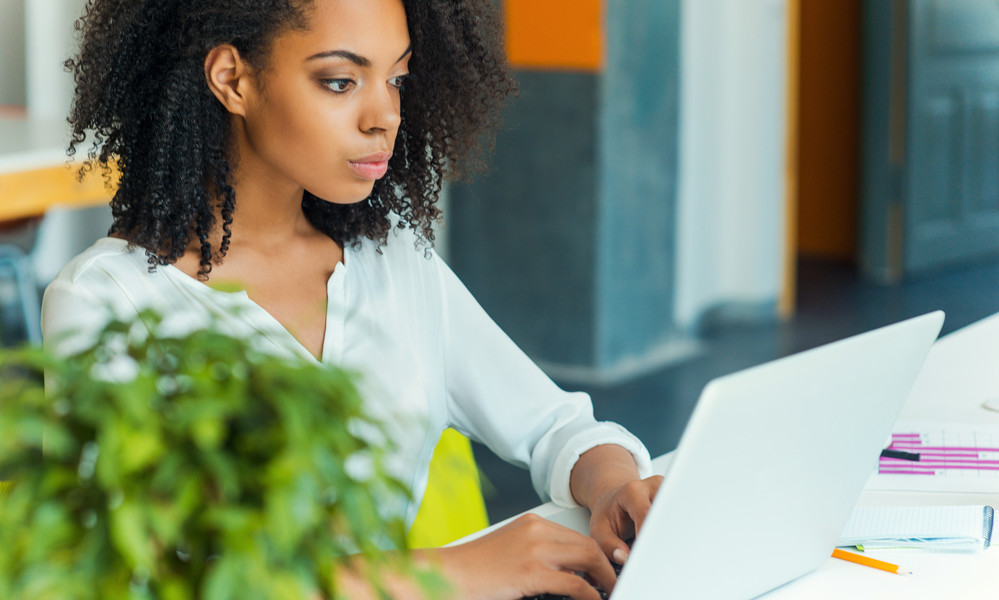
x: 327, y: 105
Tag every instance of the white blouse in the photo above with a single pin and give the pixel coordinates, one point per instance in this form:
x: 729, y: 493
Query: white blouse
x: 428, y: 355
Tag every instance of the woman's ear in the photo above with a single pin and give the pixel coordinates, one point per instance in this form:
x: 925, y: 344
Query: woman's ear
x: 229, y: 78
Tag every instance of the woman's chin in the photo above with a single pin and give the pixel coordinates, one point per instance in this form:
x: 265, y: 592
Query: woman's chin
x: 343, y: 199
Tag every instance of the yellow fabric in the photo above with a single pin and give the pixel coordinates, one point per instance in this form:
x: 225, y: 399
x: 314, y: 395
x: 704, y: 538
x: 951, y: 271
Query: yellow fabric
x: 452, y: 506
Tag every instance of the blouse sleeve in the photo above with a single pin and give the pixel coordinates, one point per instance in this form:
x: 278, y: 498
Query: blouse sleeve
x: 499, y: 397
x: 78, y: 305
x: 76, y: 308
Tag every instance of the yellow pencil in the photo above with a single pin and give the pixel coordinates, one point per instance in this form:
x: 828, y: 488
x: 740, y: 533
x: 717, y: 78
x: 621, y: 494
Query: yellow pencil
x: 870, y: 562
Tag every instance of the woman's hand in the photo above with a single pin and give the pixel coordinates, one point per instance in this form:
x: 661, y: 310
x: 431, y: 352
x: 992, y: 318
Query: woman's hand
x: 532, y: 555
x: 618, y: 515
x: 529, y: 556
x: 605, y: 480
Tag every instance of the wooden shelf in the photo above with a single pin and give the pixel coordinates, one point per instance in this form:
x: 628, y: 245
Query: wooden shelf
x: 30, y: 193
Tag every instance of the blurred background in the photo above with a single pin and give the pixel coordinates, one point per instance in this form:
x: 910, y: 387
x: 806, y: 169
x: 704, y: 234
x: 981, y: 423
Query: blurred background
x: 682, y: 189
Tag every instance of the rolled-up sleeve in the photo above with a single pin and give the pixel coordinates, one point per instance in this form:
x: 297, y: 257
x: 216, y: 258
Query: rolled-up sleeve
x: 498, y: 396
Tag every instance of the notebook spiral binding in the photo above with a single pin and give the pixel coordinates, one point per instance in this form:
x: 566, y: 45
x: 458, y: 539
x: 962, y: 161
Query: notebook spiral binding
x: 987, y: 526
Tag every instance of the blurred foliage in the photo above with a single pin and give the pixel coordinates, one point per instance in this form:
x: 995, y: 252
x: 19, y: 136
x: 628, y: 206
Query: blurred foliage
x: 209, y: 471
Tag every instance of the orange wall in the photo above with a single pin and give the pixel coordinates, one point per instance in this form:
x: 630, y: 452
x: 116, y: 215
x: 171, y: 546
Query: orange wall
x: 555, y: 34
x: 829, y: 128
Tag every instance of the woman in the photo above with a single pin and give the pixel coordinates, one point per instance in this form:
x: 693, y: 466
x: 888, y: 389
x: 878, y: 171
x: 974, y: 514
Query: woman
x: 296, y: 148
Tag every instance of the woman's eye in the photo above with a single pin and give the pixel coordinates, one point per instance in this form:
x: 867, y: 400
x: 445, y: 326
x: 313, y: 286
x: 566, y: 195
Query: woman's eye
x: 338, y: 86
x: 398, y: 81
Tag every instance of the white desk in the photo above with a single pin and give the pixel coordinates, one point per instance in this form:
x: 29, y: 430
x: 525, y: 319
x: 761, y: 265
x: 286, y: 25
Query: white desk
x: 962, y: 371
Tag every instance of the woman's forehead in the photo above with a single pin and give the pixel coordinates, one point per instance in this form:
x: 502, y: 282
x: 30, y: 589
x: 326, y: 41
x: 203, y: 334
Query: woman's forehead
x: 374, y: 29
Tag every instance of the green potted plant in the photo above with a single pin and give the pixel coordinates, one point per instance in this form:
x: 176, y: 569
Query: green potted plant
x: 210, y: 471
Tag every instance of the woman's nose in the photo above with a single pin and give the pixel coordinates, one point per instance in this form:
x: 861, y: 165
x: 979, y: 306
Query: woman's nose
x: 381, y: 110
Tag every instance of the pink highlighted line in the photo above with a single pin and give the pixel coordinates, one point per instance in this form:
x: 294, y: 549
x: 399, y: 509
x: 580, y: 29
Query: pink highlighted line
x: 962, y: 453
x: 942, y: 463
x: 924, y: 455
x: 938, y: 461
x: 905, y: 472
x: 947, y: 464
x: 951, y: 466
x: 908, y: 447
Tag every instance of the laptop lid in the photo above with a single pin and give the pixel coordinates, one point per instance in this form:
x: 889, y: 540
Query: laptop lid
x: 771, y: 465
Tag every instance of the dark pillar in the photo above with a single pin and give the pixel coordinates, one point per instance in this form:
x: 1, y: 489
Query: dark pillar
x: 569, y: 242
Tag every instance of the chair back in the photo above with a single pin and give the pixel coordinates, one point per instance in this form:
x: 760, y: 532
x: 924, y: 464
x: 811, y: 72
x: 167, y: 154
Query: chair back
x: 20, y: 315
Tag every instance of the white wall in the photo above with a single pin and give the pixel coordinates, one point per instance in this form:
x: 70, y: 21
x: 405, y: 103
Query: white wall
x: 732, y: 127
x: 50, y: 41
x: 12, y: 87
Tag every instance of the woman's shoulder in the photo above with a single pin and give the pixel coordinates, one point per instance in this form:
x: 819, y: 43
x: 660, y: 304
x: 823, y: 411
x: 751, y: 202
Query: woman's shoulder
x: 107, y: 259
x: 108, y: 275
x: 404, y: 269
x: 403, y: 248
x: 91, y: 289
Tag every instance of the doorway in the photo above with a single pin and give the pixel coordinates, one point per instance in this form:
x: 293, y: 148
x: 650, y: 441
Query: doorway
x: 823, y: 143
x: 898, y: 122
x: 829, y: 130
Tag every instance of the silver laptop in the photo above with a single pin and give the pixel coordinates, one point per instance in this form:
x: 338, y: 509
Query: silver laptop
x: 770, y: 466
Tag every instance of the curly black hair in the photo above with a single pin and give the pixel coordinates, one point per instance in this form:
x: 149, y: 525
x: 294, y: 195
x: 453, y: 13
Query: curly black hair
x: 141, y: 93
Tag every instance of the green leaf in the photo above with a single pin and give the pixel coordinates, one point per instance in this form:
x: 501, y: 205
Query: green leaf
x: 128, y: 532
x: 140, y: 448
x: 224, y: 581
x: 207, y: 432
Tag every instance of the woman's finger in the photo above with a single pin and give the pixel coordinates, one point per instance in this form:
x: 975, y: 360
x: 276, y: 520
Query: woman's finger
x: 638, y: 501
x: 609, y: 540
x: 621, y: 516
x: 568, y: 584
x: 585, y: 556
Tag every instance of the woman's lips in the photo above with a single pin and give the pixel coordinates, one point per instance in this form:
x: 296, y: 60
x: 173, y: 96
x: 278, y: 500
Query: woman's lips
x: 373, y: 166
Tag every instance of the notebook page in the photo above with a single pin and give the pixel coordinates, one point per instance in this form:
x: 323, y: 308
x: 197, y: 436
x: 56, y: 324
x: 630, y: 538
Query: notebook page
x: 919, y: 524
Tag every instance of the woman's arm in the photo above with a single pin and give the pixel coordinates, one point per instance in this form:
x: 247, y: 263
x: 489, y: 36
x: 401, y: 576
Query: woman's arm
x: 605, y: 479
x: 498, y: 396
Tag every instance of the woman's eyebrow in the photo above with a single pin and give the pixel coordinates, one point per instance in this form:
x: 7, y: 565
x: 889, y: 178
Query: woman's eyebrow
x: 354, y: 58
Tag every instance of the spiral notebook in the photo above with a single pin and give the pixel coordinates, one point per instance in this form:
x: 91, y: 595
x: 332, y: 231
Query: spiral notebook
x: 950, y: 528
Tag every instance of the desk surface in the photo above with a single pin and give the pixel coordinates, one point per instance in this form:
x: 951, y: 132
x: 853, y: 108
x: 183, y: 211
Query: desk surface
x: 960, y: 374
